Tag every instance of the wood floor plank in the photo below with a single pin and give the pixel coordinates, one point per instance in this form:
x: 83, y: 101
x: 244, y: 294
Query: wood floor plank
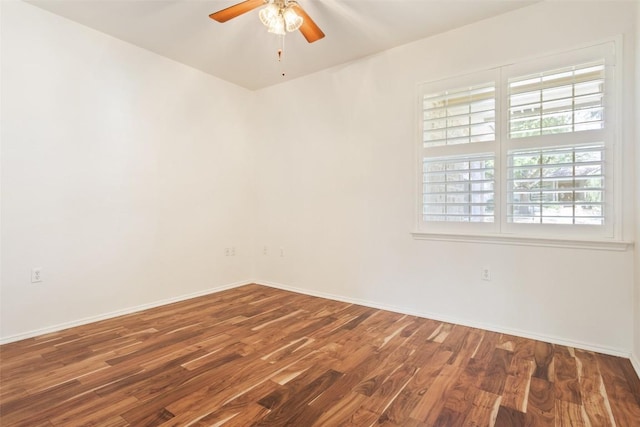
x: 246, y: 417
x: 629, y: 373
x: 482, y: 354
x: 372, y: 379
x: 260, y: 356
x: 566, y: 377
x: 343, y: 410
x: 441, y: 333
x: 294, y: 412
x: 620, y: 395
x: 570, y: 414
x: 541, y: 403
x: 462, y: 346
x: 496, y: 374
x: 432, y: 402
x: 484, y: 410
x: 447, y: 417
x: 20, y: 411
x: 338, y: 391
x: 516, y: 388
x: 460, y: 399
x: 206, y: 394
x: 382, y: 398
x: 401, y: 409
x: 595, y: 400
x: 509, y: 417
x: 543, y: 355
x: 92, y: 407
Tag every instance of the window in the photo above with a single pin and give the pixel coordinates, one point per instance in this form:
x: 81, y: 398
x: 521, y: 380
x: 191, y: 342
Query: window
x: 534, y: 161
x: 458, y: 161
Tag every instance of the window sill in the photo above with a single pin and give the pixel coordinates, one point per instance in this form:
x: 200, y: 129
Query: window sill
x: 603, y: 245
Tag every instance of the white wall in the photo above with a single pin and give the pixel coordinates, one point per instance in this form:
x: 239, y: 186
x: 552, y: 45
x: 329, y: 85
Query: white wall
x: 336, y: 191
x: 636, y: 349
x: 124, y: 175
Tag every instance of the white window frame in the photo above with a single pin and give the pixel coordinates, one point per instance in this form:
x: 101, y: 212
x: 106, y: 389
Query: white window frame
x: 607, y: 236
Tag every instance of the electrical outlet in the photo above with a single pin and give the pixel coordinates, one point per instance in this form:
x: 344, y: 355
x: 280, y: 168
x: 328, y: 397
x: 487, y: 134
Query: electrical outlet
x: 233, y: 251
x: 227, y: 251
x: 265, y: 251
x: 36, y: 275
x: 281, y: 251
x: 485, y: 274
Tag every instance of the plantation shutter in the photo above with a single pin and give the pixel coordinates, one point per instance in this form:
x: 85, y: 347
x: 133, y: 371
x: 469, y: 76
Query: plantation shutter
x: 460, y: 116
x: 458, y: 162
x: 556, y: 186
x: 459, y: 189
x: 558, y: 101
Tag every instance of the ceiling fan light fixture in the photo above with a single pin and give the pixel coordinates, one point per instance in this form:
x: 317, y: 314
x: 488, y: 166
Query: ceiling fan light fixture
x: 292, y: 20
x: 269, y: 14
x: 279, y: 17
x: 277, y: 26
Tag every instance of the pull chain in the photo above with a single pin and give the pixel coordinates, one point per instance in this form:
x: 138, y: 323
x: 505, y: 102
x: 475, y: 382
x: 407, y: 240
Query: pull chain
x: 281, y: 54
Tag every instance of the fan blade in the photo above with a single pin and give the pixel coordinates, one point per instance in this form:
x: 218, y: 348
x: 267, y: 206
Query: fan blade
x: 236, y: 10
x: 309, y: 29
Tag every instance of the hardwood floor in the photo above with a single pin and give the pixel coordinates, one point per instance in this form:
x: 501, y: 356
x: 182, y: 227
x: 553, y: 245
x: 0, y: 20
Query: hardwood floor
x: 256, y: 356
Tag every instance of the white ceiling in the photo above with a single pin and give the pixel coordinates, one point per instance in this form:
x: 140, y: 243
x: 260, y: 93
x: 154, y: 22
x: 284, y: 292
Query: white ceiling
x: 242, y: 52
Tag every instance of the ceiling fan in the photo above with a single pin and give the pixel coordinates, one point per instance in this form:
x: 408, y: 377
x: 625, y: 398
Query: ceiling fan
x: 279, y: 16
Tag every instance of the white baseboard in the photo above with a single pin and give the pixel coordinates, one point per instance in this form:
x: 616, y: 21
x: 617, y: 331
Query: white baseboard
x: 128, y: 310
x: 435, y: 316
x: 459, y: 321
